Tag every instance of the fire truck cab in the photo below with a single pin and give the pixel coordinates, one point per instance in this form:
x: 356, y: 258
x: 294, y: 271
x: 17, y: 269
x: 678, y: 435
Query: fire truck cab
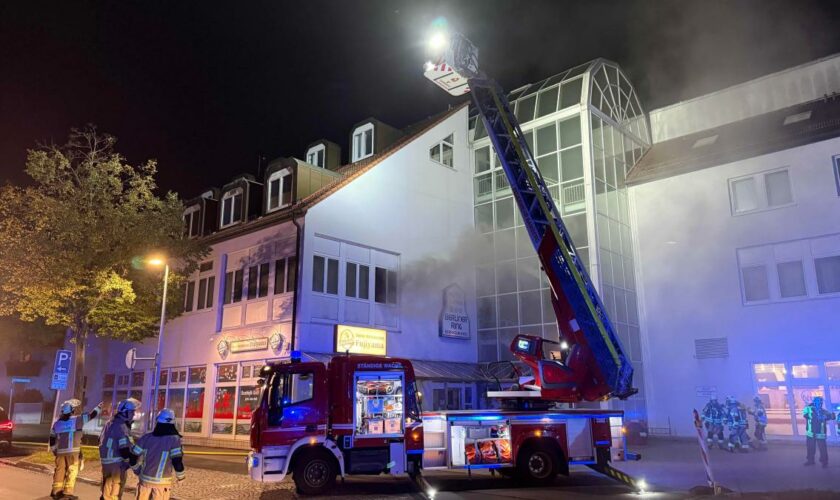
x: 355, y: 415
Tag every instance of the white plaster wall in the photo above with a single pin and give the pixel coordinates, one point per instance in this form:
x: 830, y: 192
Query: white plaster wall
x: 423, y: 212
x: 690, y: 285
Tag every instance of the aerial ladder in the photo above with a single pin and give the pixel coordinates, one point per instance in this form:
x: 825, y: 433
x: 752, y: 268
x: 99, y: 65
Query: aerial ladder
x: 592, y: 365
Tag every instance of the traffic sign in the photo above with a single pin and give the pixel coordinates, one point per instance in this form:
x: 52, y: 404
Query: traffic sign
x: 61, y: 371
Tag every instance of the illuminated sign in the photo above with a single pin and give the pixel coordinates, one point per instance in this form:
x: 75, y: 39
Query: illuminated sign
x: 245, y: 345
x: 358, y: 340
x: 454, y: 321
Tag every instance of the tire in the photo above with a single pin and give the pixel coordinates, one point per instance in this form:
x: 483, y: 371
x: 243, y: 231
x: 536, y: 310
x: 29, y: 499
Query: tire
x: 537, y: 465
x: 315, y: 472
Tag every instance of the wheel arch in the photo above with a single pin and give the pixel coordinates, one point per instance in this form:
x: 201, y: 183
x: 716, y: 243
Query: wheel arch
x: 319, y: 443
x: 548, y: 443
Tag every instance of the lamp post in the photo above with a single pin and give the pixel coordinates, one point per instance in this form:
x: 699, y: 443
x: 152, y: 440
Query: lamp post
x: 158, y: 261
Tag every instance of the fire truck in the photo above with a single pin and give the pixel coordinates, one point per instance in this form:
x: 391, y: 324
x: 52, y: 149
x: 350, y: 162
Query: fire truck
x: 362, y: 414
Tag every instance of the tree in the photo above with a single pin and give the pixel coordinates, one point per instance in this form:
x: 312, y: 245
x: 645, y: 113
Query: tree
x: 72, y: 242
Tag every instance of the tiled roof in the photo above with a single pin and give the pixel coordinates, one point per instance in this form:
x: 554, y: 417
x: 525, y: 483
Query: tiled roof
x: 767, y: 133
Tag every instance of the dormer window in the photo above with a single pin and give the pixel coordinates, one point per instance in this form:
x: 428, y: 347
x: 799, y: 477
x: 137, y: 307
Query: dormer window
x: 192, y: 221
x: 279, y: 189
x: 442, y: 151
x: 231, y: 207
x: 315, y: 155
x: 363, y: 142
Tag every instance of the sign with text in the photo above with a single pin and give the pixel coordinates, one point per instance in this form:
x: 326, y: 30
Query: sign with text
x: 358, y: 340
x: 61, y: 370
x: 454, y: 320
x: 246, y: 345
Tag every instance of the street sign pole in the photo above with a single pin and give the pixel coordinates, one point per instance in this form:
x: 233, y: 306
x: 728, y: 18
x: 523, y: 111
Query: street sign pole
x: 61, y: 372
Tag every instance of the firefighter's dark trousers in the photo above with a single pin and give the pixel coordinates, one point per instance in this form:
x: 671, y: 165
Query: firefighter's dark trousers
x: 812, y: 444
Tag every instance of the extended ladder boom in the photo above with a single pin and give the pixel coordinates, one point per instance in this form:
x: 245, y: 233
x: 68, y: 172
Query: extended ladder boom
x: 595, y: 366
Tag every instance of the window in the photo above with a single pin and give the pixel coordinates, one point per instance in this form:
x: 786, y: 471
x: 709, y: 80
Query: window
x: 482, y: 160
x: 279, y: 189
x: 705, y: 141
x: 205, y: 292
x: 284, y: 275
x: 761, y: 191
x: 258, y: 281
x: 828, y: 274
x: 385, y: 286
x: 233, y: 286
x: 791, y: 279
x: 798, y: 117
x: 192, y: 221
x: 363, y: 142
x: 301, y: 388
x: 755, y: 283
x: 231, y: 207
x: 357, y: 281
x: 836, y: 160
x: 189, y: 295
x: 324, y: 275
x: 315, y: 155
x: 379, y: 404
x: 442, y: 152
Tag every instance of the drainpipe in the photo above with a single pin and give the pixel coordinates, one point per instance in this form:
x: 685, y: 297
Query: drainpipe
x: 298, y: 264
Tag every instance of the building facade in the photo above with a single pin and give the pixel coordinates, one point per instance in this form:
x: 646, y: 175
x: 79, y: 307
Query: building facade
x: 586, y: 129
x: 736, y: 213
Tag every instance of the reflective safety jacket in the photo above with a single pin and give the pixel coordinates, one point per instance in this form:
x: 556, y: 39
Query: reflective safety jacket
x: 115, y: 442
x: 713, y: 413
x: 159, y: 454
x: 736, y: 416
x: 815, y: 421
x: 66, y: 433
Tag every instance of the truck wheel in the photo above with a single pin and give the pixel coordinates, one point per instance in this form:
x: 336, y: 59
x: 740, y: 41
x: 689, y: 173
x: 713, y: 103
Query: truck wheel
x: 315, y: 473
x: 537, y: 465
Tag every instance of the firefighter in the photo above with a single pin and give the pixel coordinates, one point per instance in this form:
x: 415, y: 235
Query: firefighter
x: 115, y: 444
x: 66, y: 445
x: 160, y: 453
x: 736, y: 419
x: 816, y: 422
x: 713, y: 414
x: 759, y: 414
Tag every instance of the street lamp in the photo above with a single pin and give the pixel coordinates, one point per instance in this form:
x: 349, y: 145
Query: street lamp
x: 158, y: 261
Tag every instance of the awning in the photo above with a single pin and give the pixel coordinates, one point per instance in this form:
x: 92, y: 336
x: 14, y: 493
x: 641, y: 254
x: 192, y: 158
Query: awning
x: 431, y: 370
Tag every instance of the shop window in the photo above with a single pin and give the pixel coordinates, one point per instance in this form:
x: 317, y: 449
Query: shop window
x: 777, y: 402
x: 136, y: 394
x: 805, y: 371
x: 164, y: 377
x: 176, y: 404
x: 108, y: 400
x: 248, y: 401
x: 770, y: 372
x: 832, y: 371
x: 226, y: 373
x: 137, y: 379
x: 195, y: 409
x: 108, y: 380
x: 379, y: 404
x: 120, y: 395
x: 198, y: 375
x: 223, y: 407
x: 161, y: 400
x: 178, y: 376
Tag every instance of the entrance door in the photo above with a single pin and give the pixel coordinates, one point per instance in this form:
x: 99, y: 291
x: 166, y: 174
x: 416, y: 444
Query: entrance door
x: 452, y: 396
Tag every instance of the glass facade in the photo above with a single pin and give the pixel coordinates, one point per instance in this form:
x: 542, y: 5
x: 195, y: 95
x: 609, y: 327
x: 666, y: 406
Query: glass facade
x: 586, y: 129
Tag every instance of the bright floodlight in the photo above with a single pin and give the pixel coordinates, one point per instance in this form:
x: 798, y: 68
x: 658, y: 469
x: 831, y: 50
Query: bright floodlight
x: 642, y: 485
x: 564, y: 345
x: 438, y: 41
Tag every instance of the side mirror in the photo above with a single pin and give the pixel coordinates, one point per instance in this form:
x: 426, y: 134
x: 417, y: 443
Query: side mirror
x: 420, y: 398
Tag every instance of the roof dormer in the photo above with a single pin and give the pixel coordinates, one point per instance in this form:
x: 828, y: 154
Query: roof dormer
x: 240, y: 201
x: 200, y: 214
x: 324, y: 154
x: 369, y: 137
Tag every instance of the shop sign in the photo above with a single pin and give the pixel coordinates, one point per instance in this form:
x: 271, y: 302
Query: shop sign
x: 705, y: 391
x: 246, y: 345
x: 358, y: 340
x: 454, y: 320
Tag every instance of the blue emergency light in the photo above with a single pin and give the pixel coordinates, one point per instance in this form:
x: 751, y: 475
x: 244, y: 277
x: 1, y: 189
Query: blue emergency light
x: 296, y: 356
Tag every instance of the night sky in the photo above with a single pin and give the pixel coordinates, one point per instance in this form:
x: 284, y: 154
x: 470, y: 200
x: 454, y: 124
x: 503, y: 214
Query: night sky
x: 207, y: 88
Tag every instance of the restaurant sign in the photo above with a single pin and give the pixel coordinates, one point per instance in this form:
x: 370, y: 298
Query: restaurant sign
x: 358, y: 340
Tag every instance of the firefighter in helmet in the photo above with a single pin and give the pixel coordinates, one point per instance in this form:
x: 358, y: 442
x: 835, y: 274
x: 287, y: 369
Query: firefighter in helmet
x: 759, y: 414
x: 736, y: 419
x: 115, y: 444
x: 713, y: 416
x: 66, y: 445
x: 160, y: 454
x: 816, y: 425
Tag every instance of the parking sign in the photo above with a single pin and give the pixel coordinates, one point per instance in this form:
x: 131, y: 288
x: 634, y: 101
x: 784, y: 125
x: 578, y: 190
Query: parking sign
x: 61, y: 371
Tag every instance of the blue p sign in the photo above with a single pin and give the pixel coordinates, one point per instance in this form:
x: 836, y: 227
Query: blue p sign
x: 61, y: 371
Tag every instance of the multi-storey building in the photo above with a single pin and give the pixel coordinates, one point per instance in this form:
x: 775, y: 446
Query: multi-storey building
x: 736, y: 211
